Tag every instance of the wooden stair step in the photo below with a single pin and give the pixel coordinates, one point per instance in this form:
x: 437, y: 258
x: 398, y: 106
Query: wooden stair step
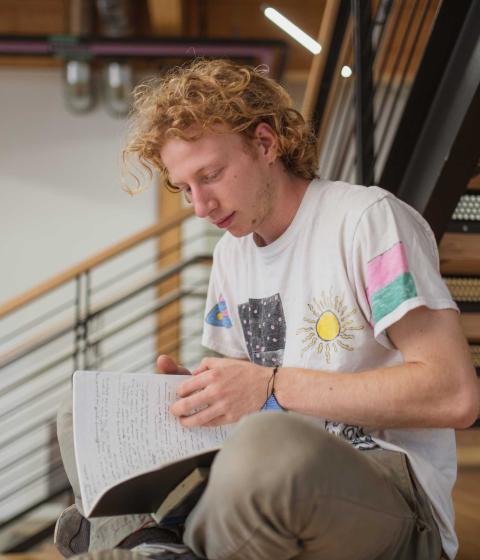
x: 471, y: 326
x: 468, y: 447
x: 475, y: 350
x: 460, y: 254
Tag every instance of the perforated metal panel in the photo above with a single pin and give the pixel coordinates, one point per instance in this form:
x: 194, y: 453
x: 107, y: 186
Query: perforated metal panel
x: 464, y: 289
x: 468, y: 208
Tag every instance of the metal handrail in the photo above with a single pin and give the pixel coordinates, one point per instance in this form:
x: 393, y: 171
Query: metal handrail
x: 176, y: 247
x: 168, y: 349
x: 154, y: 278
x: 152, y: 307
x: 92, y: 262
x: 37, y: 321
x: 140, y: 338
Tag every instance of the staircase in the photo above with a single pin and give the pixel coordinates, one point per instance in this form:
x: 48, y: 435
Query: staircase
x: 409, y: 123
x: 460, y: 267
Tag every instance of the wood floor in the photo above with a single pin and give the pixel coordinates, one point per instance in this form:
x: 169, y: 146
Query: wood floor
x: 467, y: 507
x: 466, y: 494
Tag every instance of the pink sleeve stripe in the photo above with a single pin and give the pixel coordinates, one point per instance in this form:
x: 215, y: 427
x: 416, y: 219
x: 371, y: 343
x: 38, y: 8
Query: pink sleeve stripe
x: 386, y: 267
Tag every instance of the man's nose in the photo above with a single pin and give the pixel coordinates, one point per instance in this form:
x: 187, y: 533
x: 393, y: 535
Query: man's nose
x: 202, y: 202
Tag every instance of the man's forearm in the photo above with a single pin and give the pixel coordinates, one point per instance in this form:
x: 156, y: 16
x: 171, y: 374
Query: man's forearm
x: 409, y: 395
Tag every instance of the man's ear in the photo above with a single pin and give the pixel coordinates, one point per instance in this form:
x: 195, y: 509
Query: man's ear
x: 266, y: 140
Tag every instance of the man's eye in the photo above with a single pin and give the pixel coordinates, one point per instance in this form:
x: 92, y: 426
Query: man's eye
x: 212, y: 176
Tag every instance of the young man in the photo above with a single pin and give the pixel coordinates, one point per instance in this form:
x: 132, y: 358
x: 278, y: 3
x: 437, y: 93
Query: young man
x: 326, y: 300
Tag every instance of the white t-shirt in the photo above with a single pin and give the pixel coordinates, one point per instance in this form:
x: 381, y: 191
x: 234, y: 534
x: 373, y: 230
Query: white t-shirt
x: 353, y: 261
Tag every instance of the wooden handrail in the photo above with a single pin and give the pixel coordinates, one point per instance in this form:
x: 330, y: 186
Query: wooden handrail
x: 89, y: 263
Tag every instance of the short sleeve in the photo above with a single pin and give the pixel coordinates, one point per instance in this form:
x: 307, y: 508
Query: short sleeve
x: 395, y: 265
x: 221, y: 328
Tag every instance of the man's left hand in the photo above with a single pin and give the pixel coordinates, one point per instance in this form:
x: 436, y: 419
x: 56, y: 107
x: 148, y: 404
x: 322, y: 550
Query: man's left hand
x: 221, y: 391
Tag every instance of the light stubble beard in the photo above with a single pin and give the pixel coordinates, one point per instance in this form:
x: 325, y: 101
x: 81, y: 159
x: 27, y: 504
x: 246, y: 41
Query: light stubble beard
x: 263, y: 208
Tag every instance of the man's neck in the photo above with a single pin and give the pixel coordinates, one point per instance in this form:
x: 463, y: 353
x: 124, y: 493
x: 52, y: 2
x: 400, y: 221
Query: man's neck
x: 288, y: 196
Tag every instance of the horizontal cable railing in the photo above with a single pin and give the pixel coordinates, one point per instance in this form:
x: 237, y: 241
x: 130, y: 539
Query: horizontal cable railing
x: 99, y: 259
x: 107, y: 313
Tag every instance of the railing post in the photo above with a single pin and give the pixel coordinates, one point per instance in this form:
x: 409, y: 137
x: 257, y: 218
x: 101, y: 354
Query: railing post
x: 78, y: 322
x: 363, y: 53
x: 88, y: 292
x: 82, y: 316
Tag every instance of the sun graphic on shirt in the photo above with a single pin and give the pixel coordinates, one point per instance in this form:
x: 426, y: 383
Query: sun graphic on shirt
x: 330, y: 326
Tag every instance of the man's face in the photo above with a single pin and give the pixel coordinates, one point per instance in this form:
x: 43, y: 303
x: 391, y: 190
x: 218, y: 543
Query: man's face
x: 226, y: 181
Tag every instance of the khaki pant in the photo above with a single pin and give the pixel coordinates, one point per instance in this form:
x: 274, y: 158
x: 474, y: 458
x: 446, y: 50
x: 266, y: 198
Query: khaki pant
x: 283, y: 488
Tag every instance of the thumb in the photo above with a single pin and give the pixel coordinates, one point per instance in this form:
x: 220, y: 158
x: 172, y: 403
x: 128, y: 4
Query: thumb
x: 166, y: 364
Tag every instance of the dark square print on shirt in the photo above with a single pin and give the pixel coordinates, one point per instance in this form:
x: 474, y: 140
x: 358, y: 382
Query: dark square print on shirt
x: 264, y: 330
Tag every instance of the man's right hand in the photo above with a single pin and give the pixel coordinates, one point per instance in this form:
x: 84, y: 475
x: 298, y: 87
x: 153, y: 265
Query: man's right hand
x: 165, y: 364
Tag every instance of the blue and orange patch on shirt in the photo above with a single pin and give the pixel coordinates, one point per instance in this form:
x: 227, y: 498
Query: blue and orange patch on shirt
x: 390, y: 282
x: 218, y: 315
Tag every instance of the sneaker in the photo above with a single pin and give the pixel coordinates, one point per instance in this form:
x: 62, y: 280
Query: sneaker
x: 113, y: 554
x: 165, y: 551
x: 72, y: 532
x: 153, y: 536
x: 72, y: 537
x: 161, y: 552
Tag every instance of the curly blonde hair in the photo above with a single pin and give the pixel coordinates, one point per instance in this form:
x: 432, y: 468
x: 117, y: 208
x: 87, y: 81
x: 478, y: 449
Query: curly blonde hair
x: 203, y: 94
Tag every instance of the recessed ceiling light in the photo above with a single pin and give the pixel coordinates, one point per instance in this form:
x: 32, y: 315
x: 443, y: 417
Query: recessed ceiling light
x: 346, y: 72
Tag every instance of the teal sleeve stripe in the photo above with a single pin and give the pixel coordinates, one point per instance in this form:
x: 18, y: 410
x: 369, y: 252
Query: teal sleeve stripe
x: 387, y: 299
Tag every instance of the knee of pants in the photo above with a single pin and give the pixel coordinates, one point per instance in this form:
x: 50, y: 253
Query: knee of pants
x: 270, y: 452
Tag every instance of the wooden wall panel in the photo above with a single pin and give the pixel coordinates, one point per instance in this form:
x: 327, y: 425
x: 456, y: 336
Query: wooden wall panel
x: 166, y: 17
x: 33, y: 17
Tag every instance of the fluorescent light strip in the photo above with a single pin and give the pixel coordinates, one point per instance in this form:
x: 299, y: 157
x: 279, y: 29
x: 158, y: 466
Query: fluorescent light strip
x: 293, y: 30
